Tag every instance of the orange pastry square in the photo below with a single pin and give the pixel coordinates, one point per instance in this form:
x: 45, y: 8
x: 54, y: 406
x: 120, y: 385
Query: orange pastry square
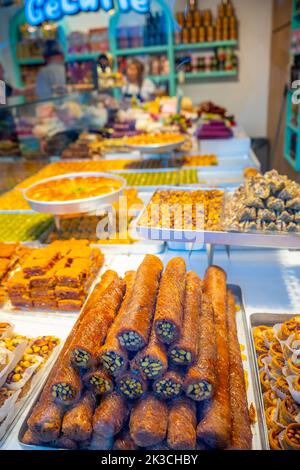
x: 42, y: 292
x: 64, y: 292
x: 70, y: 277
x: 69, y: 305
x: 7, y: 250
x: 45, y: 304
x: 18, y: 283
x: 46, y: 279
x: 36, y: 267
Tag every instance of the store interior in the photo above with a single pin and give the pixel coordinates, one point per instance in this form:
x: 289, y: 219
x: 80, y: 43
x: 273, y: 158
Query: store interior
x: 150, y: 225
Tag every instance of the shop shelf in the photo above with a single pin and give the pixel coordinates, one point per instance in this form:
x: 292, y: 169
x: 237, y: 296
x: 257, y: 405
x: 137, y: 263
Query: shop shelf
x: 214, y: 74
x: 82, y: 57
x: 205, y: 45
x: 31, y: 61
x: 159, y: 78
x: 142, y: 50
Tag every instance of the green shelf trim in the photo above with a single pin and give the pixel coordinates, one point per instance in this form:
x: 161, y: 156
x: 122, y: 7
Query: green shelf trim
x: 142, y: 50
x: 296, y: 14
x: 31, y: 61
x: 294, y: 163
x: 215, y: 74
x: 159, y: 78
x: 82, y: 57
x: 206, y: 45
x: 293, y: 128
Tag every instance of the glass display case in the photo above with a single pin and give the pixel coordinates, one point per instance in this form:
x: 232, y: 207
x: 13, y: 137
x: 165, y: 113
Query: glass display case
x: 35, y: 129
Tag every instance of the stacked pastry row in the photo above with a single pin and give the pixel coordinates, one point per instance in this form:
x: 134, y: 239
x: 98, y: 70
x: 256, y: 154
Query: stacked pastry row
x: 278, y: 356
x: 149, y: 363
x: 268, y: 203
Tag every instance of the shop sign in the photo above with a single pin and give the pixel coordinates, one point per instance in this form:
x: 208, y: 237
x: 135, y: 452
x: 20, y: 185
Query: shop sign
x: 37, y: 11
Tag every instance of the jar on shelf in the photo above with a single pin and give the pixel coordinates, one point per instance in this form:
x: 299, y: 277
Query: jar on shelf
x: 189, y: 19
x: 210, y: 34
x: 219, y: 34
x: 207, y: 18
x: 197, y: 18
x: 229, y: 9
x: 185, y: 36
x: 225, y: 34
x: 202, y: 34
x: 221, y: 10
x: 193, y: 35
x: 180, y: 18
x: 233, y: 34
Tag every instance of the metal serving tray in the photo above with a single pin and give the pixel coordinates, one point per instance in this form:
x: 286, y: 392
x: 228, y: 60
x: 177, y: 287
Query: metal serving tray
x: 159, y: 148
x: 267, y: 319
x: 37, y: 381
x: 260, y: 439
x: 75, y: 206
x: 243, y: 239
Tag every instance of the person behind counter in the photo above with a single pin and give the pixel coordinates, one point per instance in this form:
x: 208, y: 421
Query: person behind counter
x: 9, y: 89
x: 136, y: 85
x: 52, y: 77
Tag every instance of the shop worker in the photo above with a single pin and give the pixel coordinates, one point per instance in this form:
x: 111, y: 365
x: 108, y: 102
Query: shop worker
x: 52, y: 77
x: 136, y: 86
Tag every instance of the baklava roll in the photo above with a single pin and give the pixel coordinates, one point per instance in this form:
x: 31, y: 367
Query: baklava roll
x: 99, y: 382
x: 45, y: 420
x: 77, y: 421
x: 106, y: 279
x: 30, y: 438
x: 215, y: 429
x: 148, y: 421
x: 169, y: 386
x: 137, y: 319
x: 66, y: 387
x: 182, y: 425
x: 98, y: 442
x: 170, y: 301
x: 153, y: 360
x: 132, y: 384
x: 63, y: 442
x: 124, y: 441
x: 184, y: 351
x: 111, y: 415
x: 94, y: 327
x: 200, y: 380
x: 113, y: 357
x: 241, y: 434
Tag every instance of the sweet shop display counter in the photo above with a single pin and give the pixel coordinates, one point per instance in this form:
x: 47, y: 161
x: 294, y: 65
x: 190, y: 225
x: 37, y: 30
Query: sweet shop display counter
x: 255, y: 272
